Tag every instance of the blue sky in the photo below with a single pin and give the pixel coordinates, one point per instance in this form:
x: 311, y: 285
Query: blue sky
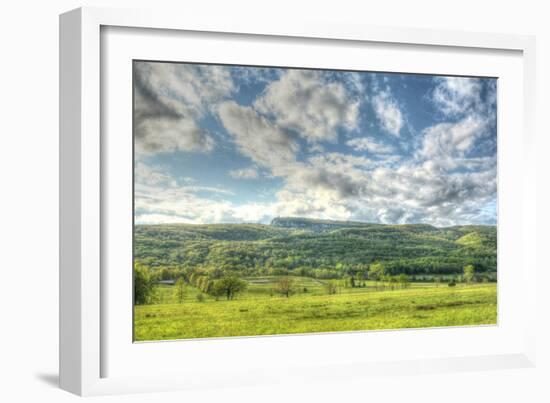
x: 229, y: 144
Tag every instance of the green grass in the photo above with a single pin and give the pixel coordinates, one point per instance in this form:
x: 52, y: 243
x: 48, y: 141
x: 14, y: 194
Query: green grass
x: 257, y: 312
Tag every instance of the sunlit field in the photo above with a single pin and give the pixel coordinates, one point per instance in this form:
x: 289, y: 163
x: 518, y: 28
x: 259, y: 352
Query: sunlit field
x: 259, y: 312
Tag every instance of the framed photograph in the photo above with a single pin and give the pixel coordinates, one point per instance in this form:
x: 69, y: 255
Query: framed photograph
x: 277, y: 200
x: 235, y: 199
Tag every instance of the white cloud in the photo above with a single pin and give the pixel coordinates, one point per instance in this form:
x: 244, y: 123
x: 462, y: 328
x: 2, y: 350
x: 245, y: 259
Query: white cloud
x: 370, y: 145
x: 170, y: 200
x: 254, y: 75
x: 151, y: 176
x: 326, y: 183
x: 340, y: 160
x: 336, y: 186
x: 256, y: 137
x: 184, y: 87
x: 244, y: 173
x: 303, y: 101
x: 341, y: 186
x: 153, y: 218
x: 156, y: 135
x: 168, y: 100
x: 448, y: 180
x: 456, y: 95
x: 446, y: 142
x: 388, y: 112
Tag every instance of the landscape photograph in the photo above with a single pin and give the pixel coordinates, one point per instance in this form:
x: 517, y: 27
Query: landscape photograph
x: 277, y: 201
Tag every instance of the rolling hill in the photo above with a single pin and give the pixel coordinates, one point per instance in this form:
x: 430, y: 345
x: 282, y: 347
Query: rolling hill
x: 321, y: 248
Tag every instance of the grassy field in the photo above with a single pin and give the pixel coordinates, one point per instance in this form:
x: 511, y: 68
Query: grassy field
x: 259, y: 312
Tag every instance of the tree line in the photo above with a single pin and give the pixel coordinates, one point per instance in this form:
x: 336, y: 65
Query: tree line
x: 222, y: 284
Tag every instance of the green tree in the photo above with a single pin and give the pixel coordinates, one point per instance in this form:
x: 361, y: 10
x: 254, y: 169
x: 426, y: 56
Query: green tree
x: 179, y: 290
x: 362, y: 271
x: 229, y: 285
x: 143, y: 285
x: 285, y: 286
x: 204, y: 284
x: 403, y: 280
x: 330, y: 287
x: 376, y: 271
x: 469, y: 273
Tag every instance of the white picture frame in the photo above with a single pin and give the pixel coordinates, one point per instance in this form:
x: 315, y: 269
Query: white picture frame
x: 83, y: 173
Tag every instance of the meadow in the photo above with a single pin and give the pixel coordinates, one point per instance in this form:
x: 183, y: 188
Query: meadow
x: 258, y: 312
x: 300, y: 275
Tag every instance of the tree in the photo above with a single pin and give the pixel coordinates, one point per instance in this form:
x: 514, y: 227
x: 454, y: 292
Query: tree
x: 376, y: 271
x: 362, y: 271
x: 143, y: 285
x: 229, y: 285
x: 403, y: 280
x: 284, y: 286
x: 389, y: 281
x: 179, y: 290
x: 214, y: 273
x: 204, y: 284
x: 330, y: 287
x: 469, y: 273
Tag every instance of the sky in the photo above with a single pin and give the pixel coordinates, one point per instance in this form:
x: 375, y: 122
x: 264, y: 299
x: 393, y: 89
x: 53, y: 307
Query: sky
x: 235, y: 144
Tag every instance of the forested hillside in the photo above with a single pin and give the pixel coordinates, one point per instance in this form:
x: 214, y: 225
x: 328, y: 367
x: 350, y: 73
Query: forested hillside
x: 315, y: 248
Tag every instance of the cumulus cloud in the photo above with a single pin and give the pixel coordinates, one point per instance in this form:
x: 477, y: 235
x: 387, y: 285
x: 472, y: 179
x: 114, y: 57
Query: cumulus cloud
x: 156, y: 135
x: 450, y: 140
x: 288, y: 130
x: 457, y: 95
x: 323, y: 186
x: 341, y: 186
x: 322, y: 183
x: 370, y: 145
x: 388, y: 112
x: 256, y: 137
x: 305, y: 102
x: 407, y: 194
x: 169, y: 98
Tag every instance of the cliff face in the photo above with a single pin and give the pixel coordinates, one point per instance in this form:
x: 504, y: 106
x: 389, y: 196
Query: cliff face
x: 312, y: 224
x: 318, y: 225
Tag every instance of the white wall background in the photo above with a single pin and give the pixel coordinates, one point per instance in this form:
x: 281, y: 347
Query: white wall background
x: 29, y: 187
